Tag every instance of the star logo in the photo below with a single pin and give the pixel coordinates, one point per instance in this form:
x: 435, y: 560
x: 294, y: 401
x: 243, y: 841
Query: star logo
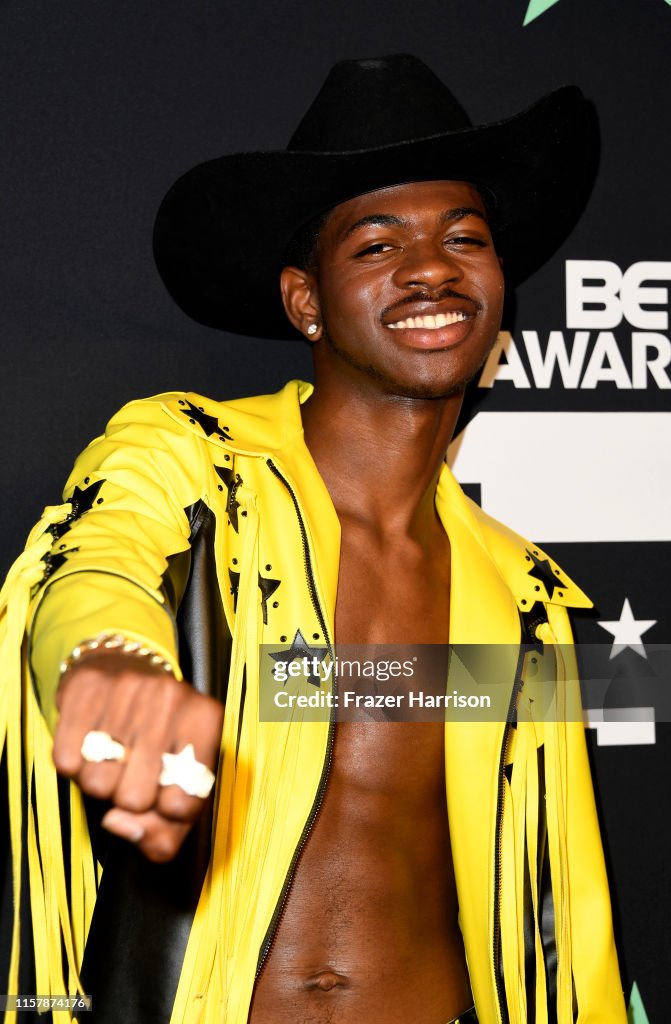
x: 82, y: 501
x: 536, y: 8
x: 267, y: 586
x: 209, y: 424
x: 231, y: 481
x: 637, y: 1012
x: 54, y: 562
x: 627, y: 631
x: 542, y: 571
x: 234, y: 577
x: 226, y: 475
x: 531, y: 620
x: 299, y: 649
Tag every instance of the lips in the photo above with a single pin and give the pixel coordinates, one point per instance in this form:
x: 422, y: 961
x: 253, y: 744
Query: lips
x: 433, y: 326
x: 429, y: 322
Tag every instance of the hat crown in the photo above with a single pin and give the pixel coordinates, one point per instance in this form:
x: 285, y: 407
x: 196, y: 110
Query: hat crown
x: 377, y: 102
x: 375, y: 124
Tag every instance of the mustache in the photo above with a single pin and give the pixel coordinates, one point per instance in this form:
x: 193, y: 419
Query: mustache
x: 436, y: 297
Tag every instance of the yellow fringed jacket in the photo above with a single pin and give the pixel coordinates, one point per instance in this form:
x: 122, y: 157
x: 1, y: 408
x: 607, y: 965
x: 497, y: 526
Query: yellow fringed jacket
x: 204, y: 529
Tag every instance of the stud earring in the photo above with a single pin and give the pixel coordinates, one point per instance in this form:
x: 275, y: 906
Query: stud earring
x: 312, y: 329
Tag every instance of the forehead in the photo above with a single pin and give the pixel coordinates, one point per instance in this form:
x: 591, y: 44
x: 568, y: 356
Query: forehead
x: 413, y: 200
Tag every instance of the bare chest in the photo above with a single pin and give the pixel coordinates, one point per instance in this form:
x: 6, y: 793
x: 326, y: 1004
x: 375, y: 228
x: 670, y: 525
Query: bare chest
x: 370, y: 929
x: 393, y: 590
x: 373, y: 897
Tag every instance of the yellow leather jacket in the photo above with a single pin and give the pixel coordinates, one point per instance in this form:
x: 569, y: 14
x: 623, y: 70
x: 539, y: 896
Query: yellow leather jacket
x: 191, y: 520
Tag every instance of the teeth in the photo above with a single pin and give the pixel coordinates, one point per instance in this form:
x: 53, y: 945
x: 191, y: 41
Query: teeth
x: 429, y: 322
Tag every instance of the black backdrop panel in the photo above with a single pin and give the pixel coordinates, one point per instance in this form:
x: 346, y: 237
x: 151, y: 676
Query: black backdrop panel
x: 105, y: 104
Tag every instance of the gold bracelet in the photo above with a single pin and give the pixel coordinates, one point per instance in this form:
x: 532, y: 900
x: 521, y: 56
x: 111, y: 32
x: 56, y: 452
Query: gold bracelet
x: 118, y: 643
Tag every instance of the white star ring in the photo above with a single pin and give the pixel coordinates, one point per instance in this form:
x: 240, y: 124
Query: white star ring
x: 100, y: 746
x: 184, y: 771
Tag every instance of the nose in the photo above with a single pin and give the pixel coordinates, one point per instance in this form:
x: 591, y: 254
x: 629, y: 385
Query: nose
x: 429, y: 266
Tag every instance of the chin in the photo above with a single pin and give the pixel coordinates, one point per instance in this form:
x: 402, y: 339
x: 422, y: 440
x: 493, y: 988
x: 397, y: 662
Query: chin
x: 434, y: 387
x: 442, y: 383
x: 438, y: 384
x: 427, y: 390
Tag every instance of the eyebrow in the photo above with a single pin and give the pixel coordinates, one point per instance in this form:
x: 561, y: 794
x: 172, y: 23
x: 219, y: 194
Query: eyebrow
x: 460, y: 212
x: 389, y: 220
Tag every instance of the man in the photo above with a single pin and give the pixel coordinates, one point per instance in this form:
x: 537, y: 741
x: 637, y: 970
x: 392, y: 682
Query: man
x: 340, y: 884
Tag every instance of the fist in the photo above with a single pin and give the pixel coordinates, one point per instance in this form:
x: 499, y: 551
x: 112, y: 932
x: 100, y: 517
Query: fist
x: 151, y: 713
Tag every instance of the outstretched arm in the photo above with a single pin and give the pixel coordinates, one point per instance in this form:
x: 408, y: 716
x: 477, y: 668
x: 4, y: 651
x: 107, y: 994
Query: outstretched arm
x: 118, y: 565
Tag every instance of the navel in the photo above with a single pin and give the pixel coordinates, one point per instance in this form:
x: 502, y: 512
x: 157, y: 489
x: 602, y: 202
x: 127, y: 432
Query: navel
x: 327, y: 980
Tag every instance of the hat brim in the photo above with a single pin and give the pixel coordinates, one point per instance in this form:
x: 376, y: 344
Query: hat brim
x: 223, y: 228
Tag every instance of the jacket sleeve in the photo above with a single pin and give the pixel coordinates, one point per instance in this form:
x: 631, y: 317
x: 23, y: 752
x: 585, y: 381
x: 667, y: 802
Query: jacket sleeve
x: 116, y: 556
x: 119, y: 558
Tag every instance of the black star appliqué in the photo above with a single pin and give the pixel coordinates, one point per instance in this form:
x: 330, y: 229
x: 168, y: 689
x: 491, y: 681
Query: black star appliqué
x: 542, y: 571
x: 267, y: 588
x: 300, y: 648
x: 231, y: 481
x: 531, y: 620
x: 226, y: 475
x: 234, y: 577
x: 82, y: 501
x: 209, y: 424
x: 54, y: 562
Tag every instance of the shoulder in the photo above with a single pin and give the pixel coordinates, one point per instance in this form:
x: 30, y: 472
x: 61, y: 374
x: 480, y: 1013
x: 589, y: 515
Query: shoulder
x: 185, y: 408
x: 181, y: 436
x: 161, y: 440
x: 173, y: 420
x: 532, y: 573
x: 253, y: 424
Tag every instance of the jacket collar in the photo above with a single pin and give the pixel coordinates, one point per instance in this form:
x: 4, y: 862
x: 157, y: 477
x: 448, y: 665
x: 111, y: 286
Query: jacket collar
x: 529, y: 572
x: 262, y: 425
x: 270, y: 426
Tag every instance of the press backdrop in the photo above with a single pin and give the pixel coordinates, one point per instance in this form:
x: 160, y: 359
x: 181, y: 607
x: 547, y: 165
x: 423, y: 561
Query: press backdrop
x: 104, y: 104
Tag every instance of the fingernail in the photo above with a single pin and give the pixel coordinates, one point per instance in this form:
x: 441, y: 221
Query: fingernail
x: 120, y: 825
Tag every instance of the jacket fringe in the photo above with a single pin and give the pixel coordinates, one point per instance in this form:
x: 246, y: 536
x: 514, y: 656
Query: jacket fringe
x: 59, y: 924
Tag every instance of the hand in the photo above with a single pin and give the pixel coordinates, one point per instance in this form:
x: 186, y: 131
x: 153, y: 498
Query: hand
x: 151, y: 713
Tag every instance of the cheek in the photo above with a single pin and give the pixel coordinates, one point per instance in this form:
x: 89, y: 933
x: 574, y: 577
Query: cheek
x: 493, y: 289
x: 350, y: 303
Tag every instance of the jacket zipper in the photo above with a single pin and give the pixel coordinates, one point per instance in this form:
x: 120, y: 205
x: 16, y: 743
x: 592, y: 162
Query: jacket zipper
x: 496, y: 949
x: 326, y: 768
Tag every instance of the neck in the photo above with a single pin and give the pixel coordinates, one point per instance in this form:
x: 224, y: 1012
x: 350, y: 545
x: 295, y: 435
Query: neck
x: 380, y: 455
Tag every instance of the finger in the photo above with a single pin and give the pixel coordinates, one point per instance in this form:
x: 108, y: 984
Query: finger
x: 200, y: 725
x: 82, y: 707
x: 100, y: 779
x: 159, y: 840
x: 158, y: 706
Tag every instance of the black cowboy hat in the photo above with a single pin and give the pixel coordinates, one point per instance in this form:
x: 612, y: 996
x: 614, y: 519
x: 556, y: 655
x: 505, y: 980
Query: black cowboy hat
x: 223, y: 229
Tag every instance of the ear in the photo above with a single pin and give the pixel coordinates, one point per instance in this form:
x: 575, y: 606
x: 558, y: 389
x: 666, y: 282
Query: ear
x: 301, y: 301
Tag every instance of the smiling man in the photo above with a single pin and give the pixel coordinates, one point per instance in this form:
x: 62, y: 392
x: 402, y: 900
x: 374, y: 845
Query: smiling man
x: 417, y: 260
x: 405, y: 872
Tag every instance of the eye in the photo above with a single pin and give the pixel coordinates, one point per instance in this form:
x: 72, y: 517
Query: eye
x: 466, y: 241
x: 374, y: 249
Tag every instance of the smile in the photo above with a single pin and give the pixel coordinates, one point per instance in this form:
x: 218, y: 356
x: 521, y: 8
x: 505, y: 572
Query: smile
x: 428, y: 323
